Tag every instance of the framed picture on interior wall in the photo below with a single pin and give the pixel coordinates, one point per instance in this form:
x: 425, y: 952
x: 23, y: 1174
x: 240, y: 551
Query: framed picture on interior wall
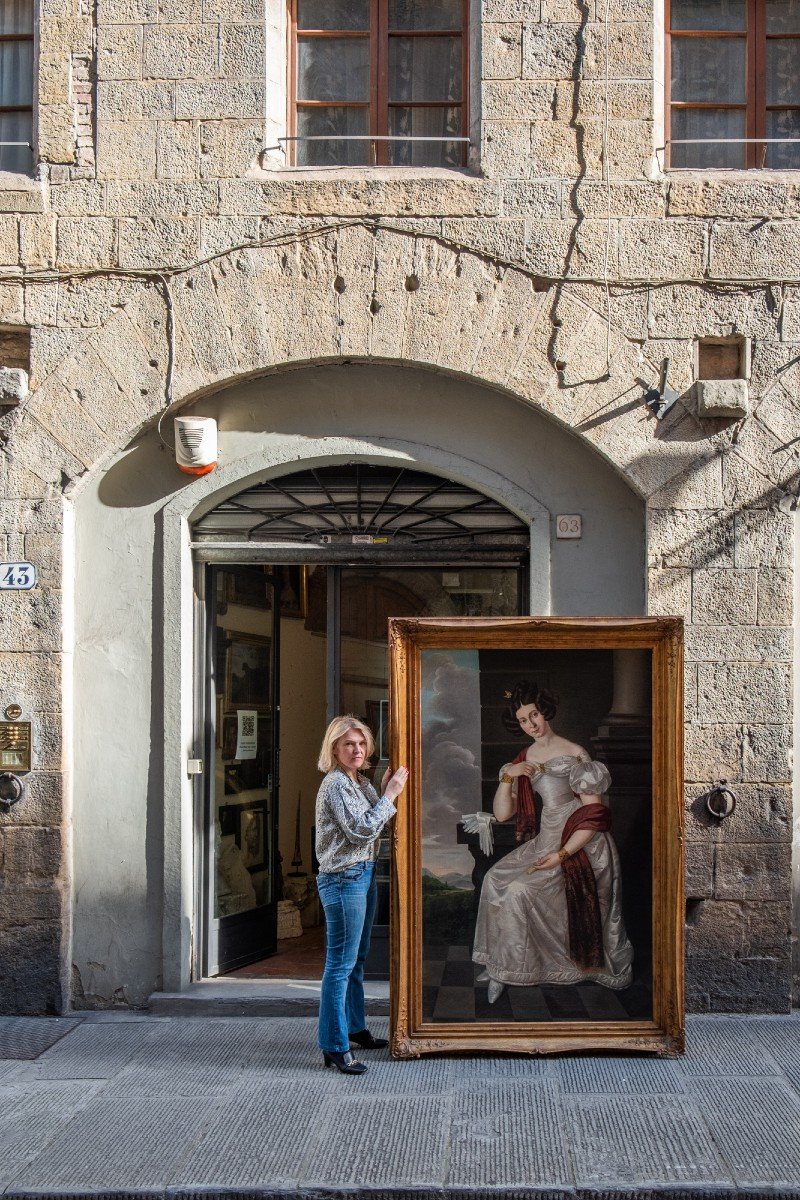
x: 292, y: 590
x: 248, y: 587
x: 538, y: 870
x: 229, y: 729
x: 247, y: 674
x: 252, y: 835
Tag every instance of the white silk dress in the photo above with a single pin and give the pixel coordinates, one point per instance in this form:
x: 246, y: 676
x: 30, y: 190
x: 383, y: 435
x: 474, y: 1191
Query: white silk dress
x: 522, y: 932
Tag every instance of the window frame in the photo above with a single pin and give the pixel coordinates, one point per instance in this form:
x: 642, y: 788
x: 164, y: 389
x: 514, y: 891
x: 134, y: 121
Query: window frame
x: 379, y: 104
x: 755, y: 105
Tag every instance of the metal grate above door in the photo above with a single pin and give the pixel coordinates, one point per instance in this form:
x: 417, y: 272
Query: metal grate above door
x: 356, y: 511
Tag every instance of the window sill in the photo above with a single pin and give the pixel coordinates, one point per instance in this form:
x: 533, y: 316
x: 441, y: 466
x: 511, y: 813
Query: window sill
x: 743, y: 193
x: 376, y: 191
x: 20, y: 193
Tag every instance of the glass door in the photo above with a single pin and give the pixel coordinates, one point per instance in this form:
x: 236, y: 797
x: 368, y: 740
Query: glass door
x: 242, y: 794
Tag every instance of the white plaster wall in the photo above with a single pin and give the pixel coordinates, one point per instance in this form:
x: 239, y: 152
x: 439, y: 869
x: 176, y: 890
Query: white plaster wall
x: 119, y: 690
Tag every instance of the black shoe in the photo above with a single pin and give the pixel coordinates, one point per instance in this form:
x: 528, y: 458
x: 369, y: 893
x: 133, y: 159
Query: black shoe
x: 343, y: 1062
x: 366, y: 1041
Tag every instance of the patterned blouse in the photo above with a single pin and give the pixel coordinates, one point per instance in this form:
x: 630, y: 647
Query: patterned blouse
x: 350, y: 817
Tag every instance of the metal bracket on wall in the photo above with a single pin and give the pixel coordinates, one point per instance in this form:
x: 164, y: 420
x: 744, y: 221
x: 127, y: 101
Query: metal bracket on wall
x: 661, y: 399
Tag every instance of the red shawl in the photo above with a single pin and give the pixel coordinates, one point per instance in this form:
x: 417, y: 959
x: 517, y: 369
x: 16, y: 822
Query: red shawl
x: 583, y: 906
x: 527, y: 823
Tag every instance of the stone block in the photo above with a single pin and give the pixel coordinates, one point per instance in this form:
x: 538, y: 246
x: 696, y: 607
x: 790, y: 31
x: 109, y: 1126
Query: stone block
x: 661, y: 249
x: 630, y: 50
x: 696, y: 196
x: 56, y: 133
x: 126, y: 149
x: 31, y: 853
x: 550, y: 51
x: 229, y: 148
x: 220, y: 234
x: 529, y: 198
x: 22, y: 199
x: 53, y: 83
x: 744, y: 485
x: 37, y: 240
x: 513, y: 99
x: 728, y: 985
x: 501, y: 50
x: 177, y: 150
x: 737, y: 928
x: 59, y: 412
x: 180, y: 51
x: 41, y: 803
x: 790, y: 315
x: 767, y: 753
x: 640, y: 199
x: 90, y: 242
x: 751, y: 250
x: 711, y: 752
x: 250, y: 11
x: 700, y: 485
x: 127, y: 12
x: 689, y: 311
x: 78, y: 199
x: 35, y: 986
x: 242, y: 51
x: 219, y: 98
x: 557, y: 248
x: 181, y: 12
x: 161, y: 199
x: 753, y: 872
x: 13, y: 387
x: 511, y: 10
x: 38, y: 453
x: 764, y: 538
x: 506, y: 149
x: 778, y: 411
x: 502, y: 238
x: 726, y: 597
x: 63, y: 36
x: 119, y: 52
x: 775, y: 596
x: 9, y: 241
x: 92, y: 301
x: 763, y: 814
x: 750, y: 692
x: 586, y: 99
x: 723, y: 398
x: 699, y: 870
x: 692, y: 538
x: 738, y: 643
x: 397, y: 195
x: 120, y: 100
x: 669, y: 592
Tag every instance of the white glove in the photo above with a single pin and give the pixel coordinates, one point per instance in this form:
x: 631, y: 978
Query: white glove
x: 481, y: 823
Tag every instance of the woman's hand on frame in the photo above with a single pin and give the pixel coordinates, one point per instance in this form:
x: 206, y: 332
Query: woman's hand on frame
x: 395, y: 784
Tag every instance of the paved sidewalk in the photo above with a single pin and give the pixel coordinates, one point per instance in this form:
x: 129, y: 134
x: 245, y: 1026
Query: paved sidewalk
x: 114, y: 1105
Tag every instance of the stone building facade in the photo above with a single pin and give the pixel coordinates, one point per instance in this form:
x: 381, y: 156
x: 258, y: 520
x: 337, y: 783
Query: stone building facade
x: 158, y: 259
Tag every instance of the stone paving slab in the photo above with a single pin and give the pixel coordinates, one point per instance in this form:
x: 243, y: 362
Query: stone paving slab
x: 28, y: 1037
x: 242, y: 1109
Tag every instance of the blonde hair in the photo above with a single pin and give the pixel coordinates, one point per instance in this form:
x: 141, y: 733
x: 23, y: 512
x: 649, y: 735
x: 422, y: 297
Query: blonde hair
x: 338, y: 727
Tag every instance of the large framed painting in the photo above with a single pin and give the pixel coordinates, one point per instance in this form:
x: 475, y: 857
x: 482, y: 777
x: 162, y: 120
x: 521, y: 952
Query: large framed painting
x: 538, y: 875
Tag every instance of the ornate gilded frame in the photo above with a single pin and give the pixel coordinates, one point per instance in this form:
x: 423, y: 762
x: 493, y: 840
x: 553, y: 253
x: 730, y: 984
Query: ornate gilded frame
x: 411, y: 1036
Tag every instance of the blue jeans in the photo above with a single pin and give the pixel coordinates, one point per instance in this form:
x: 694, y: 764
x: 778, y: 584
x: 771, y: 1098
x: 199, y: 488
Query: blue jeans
x: 348, y: 898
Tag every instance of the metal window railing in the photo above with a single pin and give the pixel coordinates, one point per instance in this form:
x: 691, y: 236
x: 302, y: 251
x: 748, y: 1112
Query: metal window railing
x: 373, y: 138
x: 743, y: 141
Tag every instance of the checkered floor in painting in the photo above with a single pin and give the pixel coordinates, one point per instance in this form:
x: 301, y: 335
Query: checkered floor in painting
x: 450, y: 993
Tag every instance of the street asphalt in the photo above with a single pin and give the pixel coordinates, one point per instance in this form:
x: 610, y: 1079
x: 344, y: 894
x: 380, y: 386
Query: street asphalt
x: 124, y: 1104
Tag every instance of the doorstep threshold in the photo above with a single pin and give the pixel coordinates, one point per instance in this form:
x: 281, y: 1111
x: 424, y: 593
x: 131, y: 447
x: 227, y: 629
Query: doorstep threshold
x: 230, y: 997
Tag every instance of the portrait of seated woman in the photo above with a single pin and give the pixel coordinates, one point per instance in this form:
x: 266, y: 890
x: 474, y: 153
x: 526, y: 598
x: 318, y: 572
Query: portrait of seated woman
x: 550, y: 911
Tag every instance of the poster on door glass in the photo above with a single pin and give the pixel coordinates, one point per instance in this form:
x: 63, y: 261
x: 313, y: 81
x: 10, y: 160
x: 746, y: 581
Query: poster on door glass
x: 536, y: 850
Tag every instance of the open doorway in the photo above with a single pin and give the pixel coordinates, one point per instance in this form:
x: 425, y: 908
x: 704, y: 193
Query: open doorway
x: 293, y: 639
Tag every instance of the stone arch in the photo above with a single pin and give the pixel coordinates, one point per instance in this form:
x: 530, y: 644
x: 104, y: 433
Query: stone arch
x: 353, y: 292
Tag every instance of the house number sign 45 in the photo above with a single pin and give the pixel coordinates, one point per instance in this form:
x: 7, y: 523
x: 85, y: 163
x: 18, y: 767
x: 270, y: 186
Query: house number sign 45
x: 17, y: 576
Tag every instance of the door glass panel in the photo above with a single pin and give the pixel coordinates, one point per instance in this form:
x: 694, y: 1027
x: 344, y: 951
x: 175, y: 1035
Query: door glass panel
x: 708, y: 69
x: 243, y: 760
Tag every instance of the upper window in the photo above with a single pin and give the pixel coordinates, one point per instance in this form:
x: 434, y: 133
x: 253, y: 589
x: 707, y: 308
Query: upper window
x: 16, y: 85
x: 379, y: 81
x: 733, y: 73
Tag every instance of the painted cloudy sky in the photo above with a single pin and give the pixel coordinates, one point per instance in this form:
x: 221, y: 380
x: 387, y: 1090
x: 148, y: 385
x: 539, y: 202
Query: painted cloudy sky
x: 451, y: 755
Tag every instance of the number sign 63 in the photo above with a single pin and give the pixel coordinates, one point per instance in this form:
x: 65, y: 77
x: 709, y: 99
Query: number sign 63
x: 18, y: 576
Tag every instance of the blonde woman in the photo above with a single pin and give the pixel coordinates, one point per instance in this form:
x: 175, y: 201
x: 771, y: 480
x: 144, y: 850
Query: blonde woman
x: 350, y: 816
